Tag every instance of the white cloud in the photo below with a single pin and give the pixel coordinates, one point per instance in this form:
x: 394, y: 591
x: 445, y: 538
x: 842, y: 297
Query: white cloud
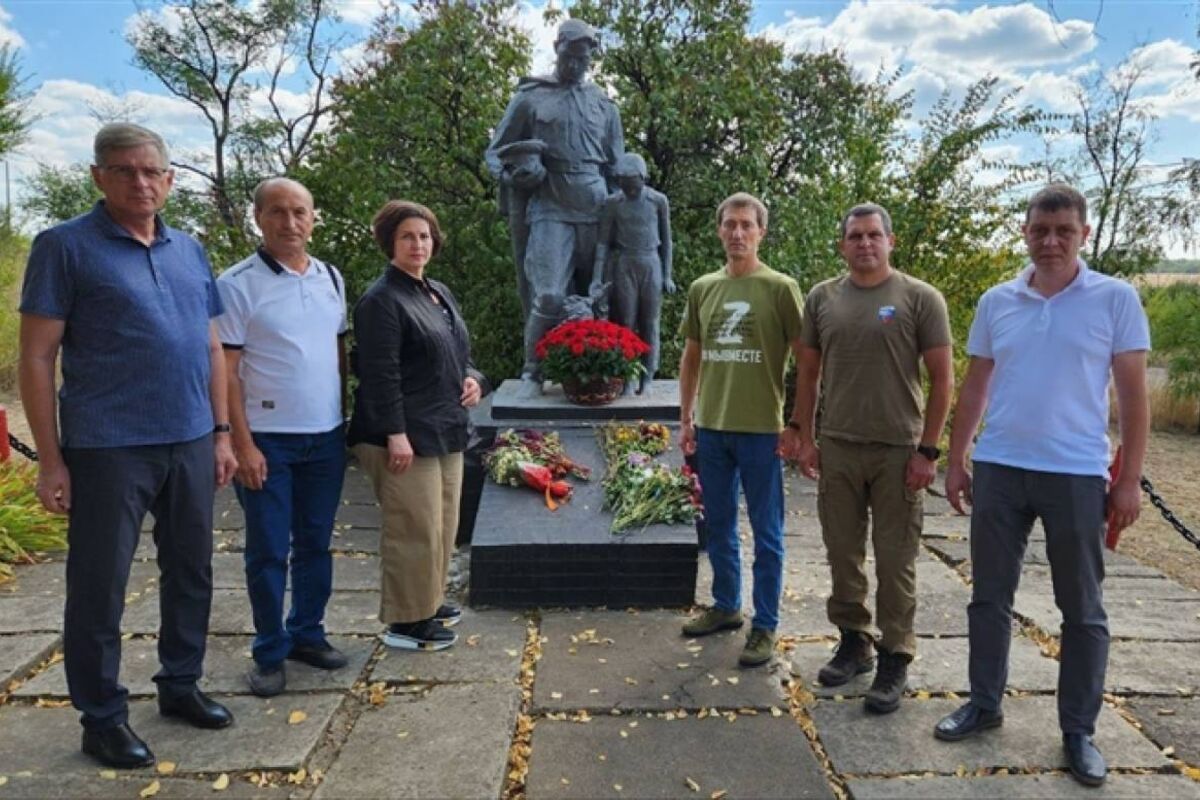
x: 8, y: 35
x: 530, y: 19
x: 1162, y: 63
x: 364, y: 12
x: 1053, y: 91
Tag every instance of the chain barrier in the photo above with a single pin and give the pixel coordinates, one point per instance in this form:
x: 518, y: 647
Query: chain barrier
x: 22, y: 448
x: 1167, y: 514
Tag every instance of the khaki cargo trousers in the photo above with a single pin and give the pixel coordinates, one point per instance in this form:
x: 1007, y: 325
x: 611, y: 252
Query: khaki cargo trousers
x: 863, y: 481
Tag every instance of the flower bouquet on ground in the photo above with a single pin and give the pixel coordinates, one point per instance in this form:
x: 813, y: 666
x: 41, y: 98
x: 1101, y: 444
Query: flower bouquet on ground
x: 591, y: 358
x: 639, y: 490
x: 534, y: 459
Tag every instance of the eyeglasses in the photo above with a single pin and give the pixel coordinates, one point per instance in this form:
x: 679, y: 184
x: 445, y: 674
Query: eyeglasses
x: 130, y: 174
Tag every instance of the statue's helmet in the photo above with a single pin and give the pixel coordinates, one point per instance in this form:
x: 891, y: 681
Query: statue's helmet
x: 630, y: 165
x: 574, y: 30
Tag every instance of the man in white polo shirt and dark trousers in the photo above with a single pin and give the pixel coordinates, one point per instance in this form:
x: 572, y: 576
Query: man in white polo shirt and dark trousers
x: 285, y: 313
x: 1042, y: 348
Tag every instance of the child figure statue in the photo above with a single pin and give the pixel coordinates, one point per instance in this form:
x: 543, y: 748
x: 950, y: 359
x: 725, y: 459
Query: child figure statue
x: 636, y: 223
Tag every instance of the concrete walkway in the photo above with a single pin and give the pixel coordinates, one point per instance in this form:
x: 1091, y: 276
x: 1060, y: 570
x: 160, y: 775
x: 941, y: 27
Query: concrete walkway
x: 587, y: 704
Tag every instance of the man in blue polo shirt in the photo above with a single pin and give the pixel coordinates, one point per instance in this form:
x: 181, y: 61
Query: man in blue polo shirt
x: 285, y: 312
x: 1042, y: 348
x: 141, y: 426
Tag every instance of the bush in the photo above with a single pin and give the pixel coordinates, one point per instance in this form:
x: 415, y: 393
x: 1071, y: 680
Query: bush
x: 13, y: 251
x: 25, y: 527
x: 1174, y: 313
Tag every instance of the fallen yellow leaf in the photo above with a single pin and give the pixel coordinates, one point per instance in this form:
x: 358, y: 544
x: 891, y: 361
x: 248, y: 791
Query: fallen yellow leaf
x: 298, y: 776
x: 296, y: 717
x: 108, y: 774
x: 718, y: 794
x: 165, y: 767
x: 3, y: 779
x: 221, y: 783
x: 617, y: 786
x: 732, y: 680
x: 691, y: 784
x: 150, y: 790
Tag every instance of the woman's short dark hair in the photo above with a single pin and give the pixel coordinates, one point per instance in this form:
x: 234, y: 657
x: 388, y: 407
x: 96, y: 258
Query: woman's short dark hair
x: 394, y: 212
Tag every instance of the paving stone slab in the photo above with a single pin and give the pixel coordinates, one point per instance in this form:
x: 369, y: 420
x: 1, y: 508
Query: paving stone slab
x: 753, y: 756
x: 356, y: 490
x: 938, y: 614
x: 357, y: 515
x: 225, y: 665
x: 860, y: 743
x: 1025, y: 787
x: 1165, y: 620
x: 73, y: 787
x: 940, y: 666
x: 47, y: 579
x: 489, y: 649
x: 946, y: 525
x: 346, y: 613
x: 1160, y: 668
x: 1171, y: 722
x: 452, y: 743
x: 23, y: 651
x: 30, y: 614
x: 355, y: 540
x: 603, y: 660
x: 958, y: 551
x: 1036, y: 579
x: 356, y: 572
x: 45, y: 741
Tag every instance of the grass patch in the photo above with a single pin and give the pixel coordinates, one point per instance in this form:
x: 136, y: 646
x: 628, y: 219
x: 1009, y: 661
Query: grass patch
x: 25, y: 527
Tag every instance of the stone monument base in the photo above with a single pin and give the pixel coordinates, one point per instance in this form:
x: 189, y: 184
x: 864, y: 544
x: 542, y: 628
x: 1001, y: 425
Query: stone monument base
x: 525, y: 555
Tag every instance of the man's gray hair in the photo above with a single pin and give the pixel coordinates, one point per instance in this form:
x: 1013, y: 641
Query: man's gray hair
x: 743, y: 200
x: 265, y: 185
x: 867, y: 210
x: 124, y: 135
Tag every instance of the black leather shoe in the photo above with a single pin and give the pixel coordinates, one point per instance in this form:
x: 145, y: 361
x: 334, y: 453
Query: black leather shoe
x: 117, y: 746
x: 968, y: 720
x: 321, y: 656
x: 1086, y: 763
x: 196, y: 709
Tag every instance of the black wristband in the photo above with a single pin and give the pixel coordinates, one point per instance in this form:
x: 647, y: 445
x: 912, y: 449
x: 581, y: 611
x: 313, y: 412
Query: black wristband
x: 796, y: 426
x: 222, y: 427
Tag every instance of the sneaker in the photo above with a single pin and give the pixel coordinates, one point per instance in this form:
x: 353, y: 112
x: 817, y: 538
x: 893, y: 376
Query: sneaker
x: 890, y: 681
x: 321, y: 656
x: 711, y: 621
x: 267, y: 681
x: 760, y: 644
x: 428, y: 634
x: 448, y: 614
x: 854, y: 656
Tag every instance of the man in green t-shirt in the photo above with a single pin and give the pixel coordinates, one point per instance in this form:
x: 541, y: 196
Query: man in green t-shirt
x: 741, y: 323
x: 866, y: 333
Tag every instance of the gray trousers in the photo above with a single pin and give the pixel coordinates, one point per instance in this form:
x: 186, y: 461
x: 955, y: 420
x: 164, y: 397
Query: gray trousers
x: 111, y: 491
x: 637, y: 299
x: 558, y: 262
x: 1072, y: 510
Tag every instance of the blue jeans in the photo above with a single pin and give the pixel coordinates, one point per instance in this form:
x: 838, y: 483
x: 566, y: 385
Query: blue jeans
x: 724, y: 458
x: 293, y: 512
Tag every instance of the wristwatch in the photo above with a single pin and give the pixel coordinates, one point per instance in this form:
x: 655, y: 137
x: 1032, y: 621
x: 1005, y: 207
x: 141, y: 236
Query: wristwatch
x: 222, y: 427
x: 794, y: 425
x: 931, y: 453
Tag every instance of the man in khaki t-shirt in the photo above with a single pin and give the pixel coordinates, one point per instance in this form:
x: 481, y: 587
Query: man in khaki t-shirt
x: 865, y: 336
x: 742, y: 321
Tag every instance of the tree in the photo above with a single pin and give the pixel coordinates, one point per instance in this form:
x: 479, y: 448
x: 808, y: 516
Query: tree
x: 56, y: 194
x: 14, y: 118
x: 416, y: 119
x: 230, y: 59
x: 1132, y: 212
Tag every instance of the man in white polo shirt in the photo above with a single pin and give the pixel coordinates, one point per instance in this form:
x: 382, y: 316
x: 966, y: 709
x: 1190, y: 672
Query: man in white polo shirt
x: 285, y: 313
x: 1042, y: 348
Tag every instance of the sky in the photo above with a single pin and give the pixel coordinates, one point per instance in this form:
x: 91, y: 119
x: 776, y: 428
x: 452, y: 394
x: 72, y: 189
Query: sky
x: 75, y: 59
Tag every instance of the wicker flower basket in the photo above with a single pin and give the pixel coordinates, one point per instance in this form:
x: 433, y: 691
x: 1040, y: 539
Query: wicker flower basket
x: 593, y: 391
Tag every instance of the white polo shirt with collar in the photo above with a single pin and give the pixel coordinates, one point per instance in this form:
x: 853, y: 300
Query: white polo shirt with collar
x: 287, y: 326
x: 1048, y: 400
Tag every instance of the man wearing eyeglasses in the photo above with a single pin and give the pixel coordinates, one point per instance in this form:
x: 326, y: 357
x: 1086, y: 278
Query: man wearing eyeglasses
x: 141, y: 426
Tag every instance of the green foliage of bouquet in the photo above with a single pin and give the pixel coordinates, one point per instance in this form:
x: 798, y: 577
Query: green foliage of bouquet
x: 640, y: 491
x: 591, y: 348
x: 25, y: 527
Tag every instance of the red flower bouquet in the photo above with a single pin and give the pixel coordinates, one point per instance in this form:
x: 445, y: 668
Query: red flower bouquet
x: 591, y: 349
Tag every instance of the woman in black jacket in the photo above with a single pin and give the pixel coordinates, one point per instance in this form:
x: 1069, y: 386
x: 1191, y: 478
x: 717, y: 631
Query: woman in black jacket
x: 409, y: 431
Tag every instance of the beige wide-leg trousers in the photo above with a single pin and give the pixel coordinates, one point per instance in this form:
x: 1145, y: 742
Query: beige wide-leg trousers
x: 419, y: 508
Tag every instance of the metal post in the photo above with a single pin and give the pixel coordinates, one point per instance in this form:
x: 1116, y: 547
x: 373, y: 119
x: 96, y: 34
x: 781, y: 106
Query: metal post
x: 4, y: 451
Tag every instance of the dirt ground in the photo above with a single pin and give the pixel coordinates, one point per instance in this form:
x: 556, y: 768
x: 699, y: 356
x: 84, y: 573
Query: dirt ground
x: 1172, y: 464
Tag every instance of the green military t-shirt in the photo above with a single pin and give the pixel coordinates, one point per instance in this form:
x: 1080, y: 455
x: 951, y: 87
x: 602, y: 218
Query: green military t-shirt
x: 871, y: 341
x: 745, y: 327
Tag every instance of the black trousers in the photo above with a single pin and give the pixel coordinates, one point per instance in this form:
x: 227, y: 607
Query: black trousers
x: 111, y: 491
x: 1072, y: 509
